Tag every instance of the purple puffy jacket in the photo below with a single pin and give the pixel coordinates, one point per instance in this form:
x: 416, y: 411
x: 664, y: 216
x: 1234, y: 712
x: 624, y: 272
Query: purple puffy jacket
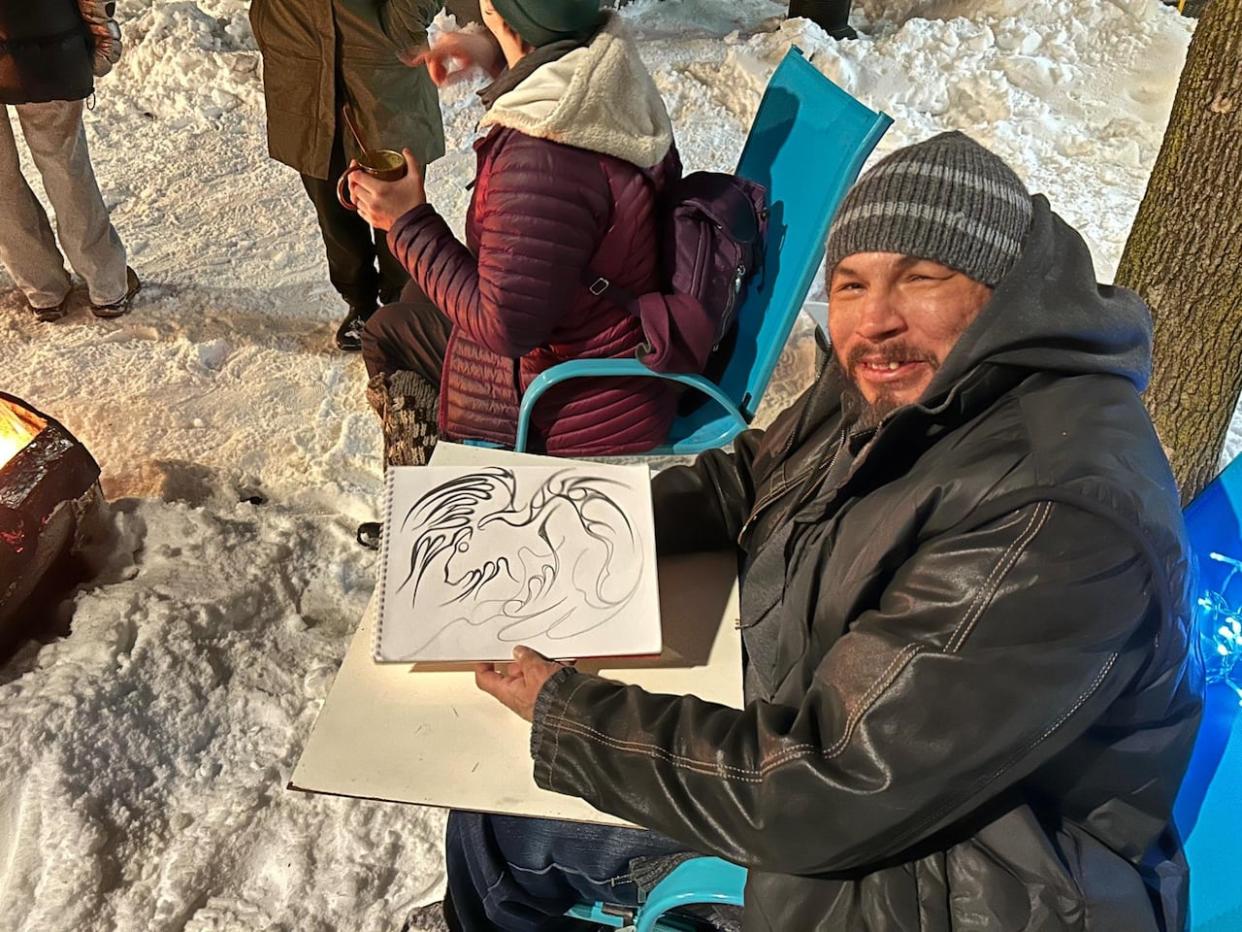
x: 550, y: 203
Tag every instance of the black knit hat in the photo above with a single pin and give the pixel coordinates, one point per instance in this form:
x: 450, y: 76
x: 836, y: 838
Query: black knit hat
x: 947, y: 199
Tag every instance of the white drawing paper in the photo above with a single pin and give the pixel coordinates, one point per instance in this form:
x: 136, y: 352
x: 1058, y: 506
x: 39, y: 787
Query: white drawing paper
x: 560, y: 558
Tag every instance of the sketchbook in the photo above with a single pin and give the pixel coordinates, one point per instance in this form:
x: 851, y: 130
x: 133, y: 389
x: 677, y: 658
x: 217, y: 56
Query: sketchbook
x: 556, y: 555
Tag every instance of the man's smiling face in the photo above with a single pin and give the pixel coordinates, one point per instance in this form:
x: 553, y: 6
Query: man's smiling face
x: 893, y: 320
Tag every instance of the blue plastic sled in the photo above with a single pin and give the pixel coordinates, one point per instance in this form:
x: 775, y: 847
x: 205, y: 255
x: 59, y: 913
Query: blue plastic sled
x: 1209, y: 808
x: 807, y: 145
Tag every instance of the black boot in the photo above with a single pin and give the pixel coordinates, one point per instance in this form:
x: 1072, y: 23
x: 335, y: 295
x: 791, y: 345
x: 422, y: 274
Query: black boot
x: 349, y: 333
x: 434, y: 918
x: 833, y: 16
x: 370, y: 534
x: 119, y: 308
x: 49, y: 314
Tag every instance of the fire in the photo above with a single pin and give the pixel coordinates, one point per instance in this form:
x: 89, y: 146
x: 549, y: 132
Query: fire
x: 17, y: 429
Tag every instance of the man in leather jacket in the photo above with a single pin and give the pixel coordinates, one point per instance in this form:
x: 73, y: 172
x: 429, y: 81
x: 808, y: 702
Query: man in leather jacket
x: 970, y: 692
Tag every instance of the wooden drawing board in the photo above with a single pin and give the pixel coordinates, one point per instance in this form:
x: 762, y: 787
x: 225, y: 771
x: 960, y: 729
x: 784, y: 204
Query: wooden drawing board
x: 392, y: 732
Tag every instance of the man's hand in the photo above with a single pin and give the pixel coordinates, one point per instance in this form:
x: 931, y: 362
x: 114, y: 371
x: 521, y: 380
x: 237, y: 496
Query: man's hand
x: 517, y: 684
x: 383, y: 203
x: 455, y: 54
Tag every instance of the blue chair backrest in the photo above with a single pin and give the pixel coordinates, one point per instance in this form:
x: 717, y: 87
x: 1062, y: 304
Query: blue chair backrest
x: 1209, y: 807
x: 807, y: 145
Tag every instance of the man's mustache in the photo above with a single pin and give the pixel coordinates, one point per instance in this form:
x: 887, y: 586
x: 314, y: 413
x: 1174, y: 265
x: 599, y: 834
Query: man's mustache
x: 884, y: 353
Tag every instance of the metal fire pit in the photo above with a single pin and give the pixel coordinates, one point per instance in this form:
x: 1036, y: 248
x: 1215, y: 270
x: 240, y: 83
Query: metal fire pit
x: 48, y: 484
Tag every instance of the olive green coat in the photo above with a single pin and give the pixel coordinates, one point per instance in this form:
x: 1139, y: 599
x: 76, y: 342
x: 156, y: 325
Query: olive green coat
x: 317, y: 54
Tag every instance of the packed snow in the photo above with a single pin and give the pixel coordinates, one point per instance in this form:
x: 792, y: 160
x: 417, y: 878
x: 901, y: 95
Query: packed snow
x: 145, y: 756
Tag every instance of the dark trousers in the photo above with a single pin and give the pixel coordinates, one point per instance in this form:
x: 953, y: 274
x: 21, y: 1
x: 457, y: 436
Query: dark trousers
x: 408, y: 336
x: 521, y: 875
x: 828, y: 14
x: 352, y: 247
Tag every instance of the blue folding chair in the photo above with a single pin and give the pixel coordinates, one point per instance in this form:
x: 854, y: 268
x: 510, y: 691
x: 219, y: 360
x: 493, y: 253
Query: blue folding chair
x: 1209, y: 807
x: 807, y: 145
x: 698, y: 881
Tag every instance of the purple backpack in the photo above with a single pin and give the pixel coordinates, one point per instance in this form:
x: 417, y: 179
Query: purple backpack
x: 712, y: 228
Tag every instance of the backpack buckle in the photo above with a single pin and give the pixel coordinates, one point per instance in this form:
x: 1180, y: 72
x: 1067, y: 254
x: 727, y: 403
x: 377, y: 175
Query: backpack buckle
x: 599, y: 286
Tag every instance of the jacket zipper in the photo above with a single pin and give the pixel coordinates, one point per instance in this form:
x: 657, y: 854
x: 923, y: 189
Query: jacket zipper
x: 738, y: 274
x: 700, y: 265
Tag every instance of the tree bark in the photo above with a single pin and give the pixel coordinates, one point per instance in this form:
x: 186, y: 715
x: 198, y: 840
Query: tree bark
x: 1184, y: 254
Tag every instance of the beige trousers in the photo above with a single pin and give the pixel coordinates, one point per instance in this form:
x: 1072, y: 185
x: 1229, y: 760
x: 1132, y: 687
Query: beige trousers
x: 57, y: 140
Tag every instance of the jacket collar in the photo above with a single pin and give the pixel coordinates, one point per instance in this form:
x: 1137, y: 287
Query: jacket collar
x: 899, y: 440
x: 806, y: 442
x: 600, y: 98
x: 512, y: 77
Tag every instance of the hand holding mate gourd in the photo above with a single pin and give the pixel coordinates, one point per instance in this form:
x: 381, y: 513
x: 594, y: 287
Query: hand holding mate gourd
x: 383, y: 203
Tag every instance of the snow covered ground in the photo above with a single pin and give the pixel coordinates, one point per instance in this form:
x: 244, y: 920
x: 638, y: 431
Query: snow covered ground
x: 145, y: 756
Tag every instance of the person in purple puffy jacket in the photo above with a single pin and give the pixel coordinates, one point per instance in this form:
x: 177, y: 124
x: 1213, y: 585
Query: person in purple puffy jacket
x: 578, y: 147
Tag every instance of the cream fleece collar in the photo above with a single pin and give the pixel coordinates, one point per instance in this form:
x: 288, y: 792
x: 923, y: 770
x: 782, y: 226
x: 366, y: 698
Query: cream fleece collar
x: 600, y: 98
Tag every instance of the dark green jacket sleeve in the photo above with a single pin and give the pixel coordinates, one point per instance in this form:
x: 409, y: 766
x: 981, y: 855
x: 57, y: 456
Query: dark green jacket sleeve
x: 704, y: 505
x: 406, y: 21
x: 992, y: 649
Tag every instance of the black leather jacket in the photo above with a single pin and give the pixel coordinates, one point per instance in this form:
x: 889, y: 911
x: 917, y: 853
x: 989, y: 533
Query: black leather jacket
x: 984, y: 697
x: 45, y: 52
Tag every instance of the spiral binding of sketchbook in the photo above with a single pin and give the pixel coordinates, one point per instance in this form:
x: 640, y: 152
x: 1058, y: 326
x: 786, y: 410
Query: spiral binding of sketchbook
x: 383, y: 588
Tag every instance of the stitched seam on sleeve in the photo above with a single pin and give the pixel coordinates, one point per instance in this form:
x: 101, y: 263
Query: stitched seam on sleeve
x: 659, y: 753
x: 910, y: 651
x: 1006, y: 562
x: 881, y: 684
x: 869, y: 698
x: 655, y: 750
x: 556, y: 722
x: 1090, y: 691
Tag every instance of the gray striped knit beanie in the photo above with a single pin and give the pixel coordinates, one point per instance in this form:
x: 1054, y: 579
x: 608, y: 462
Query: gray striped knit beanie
x: 947, y: 199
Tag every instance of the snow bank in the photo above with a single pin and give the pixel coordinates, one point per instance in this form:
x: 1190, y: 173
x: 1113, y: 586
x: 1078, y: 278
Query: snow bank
x: 146, y: 755
x: 141, y: 785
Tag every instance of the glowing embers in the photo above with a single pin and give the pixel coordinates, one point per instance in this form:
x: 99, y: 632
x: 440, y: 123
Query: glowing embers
x: 18, y: 426
x: 48, y: 484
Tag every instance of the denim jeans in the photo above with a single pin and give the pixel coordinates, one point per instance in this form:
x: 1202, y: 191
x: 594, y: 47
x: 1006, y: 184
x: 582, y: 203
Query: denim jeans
x: 521, y: 875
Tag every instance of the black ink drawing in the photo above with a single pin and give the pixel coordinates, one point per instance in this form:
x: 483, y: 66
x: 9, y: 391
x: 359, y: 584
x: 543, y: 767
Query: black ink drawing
x: 488, y: 559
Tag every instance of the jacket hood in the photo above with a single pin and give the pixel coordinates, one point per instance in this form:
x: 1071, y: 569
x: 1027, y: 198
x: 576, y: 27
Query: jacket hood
x: 1050, y: 314
x: 599, y: 97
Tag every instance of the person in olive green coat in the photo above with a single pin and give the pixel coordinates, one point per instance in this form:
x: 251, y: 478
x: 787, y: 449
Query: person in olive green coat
x: 317, y: 56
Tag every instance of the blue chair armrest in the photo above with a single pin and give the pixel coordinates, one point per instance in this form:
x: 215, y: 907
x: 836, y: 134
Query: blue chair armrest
x: 699, y: 880
x: 608, y: 368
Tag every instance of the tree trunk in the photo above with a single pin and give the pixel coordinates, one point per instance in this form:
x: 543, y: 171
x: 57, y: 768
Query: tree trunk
x: 1184, y: 254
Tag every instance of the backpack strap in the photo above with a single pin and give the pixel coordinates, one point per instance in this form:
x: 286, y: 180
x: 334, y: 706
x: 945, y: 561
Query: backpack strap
x: 601, y: 287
